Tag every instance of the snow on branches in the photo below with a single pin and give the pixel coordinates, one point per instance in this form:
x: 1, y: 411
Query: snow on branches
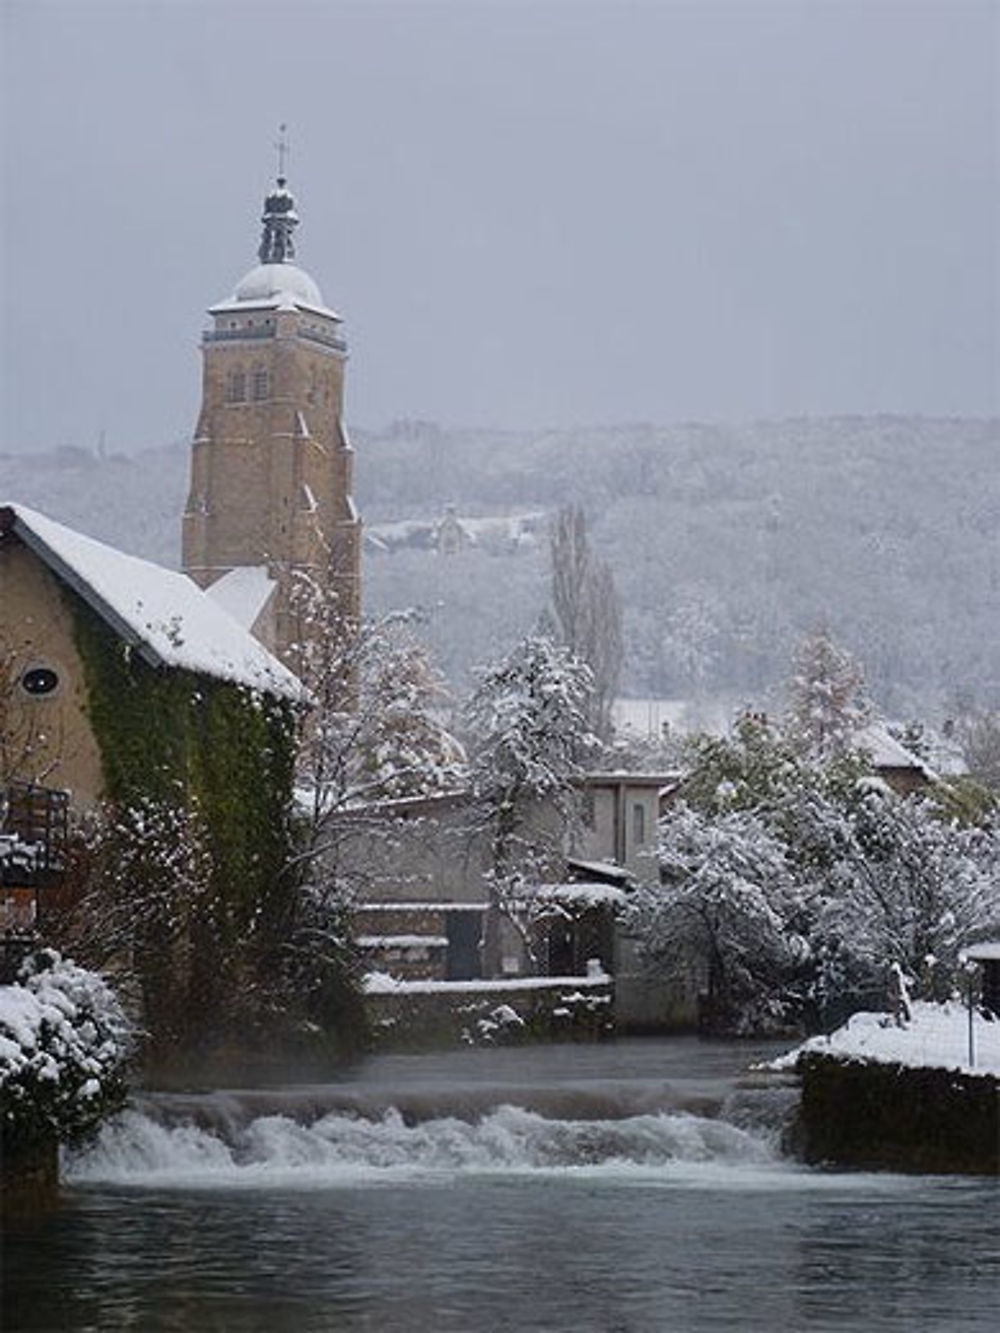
x: 528, y: 717
x: 64, y: 1040
x: 528, y: 714
x: 794, y: 886
x: 827, y: 698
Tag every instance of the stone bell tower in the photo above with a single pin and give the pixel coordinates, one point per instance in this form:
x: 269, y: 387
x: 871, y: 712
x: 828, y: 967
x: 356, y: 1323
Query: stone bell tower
x: 271, y: 465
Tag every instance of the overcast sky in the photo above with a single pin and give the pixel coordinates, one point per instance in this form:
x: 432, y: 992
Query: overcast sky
x: 529, y: 212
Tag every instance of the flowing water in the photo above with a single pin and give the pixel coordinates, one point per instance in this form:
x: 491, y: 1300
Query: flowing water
x: 619, y: 1188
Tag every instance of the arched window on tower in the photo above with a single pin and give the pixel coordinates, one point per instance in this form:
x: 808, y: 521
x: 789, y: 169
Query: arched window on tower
x: 260, y: 388
x: 236, y: 386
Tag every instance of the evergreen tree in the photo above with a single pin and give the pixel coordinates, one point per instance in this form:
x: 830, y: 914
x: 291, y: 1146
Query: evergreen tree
x: 827, y: 700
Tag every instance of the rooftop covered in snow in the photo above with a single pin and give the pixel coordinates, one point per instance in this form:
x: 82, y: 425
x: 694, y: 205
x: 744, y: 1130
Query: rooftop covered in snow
x: 167, y: 619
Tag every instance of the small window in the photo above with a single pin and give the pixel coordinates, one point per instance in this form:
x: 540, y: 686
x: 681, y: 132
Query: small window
x: 259, y: 385
x: 39, y: 681
x: 638, y: 824
x: 236, y: 387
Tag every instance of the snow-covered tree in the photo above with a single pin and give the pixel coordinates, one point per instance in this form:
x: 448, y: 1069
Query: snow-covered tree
x: 868, y: 879
x: 374, y: 732
x: 528, y: 719
x: 374, y: 729
x: 827, y: 703
x: 64, y: 1043
x: 911, y: 888
x: 725, y: 904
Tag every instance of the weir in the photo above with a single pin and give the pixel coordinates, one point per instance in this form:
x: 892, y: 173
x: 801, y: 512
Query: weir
x: 505, y: 1112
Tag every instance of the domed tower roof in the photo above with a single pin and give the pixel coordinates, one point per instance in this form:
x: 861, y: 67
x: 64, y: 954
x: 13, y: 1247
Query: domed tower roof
x: 284, y: 282
x: 277, y: 281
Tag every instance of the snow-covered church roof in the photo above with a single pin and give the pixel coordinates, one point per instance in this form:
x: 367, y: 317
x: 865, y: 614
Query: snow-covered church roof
x: 276, y: 282
x: 276, y: 287
x: 160, y: 612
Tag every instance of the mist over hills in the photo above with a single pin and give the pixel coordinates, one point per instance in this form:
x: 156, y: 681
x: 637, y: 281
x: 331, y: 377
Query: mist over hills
x: 727, y: 542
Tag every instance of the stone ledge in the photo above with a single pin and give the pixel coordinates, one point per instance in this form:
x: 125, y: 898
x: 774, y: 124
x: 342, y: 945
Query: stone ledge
x: 873, y: 1116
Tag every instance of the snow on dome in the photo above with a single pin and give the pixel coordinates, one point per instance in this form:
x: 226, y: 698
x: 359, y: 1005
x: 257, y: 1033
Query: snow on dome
x: 272, y: 282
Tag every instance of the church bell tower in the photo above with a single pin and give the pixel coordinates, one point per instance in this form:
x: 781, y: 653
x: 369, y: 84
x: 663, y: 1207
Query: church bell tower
x: 271, y: 465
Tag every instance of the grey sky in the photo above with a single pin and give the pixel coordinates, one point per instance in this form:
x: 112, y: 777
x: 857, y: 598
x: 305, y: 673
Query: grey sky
x: 529, y: 213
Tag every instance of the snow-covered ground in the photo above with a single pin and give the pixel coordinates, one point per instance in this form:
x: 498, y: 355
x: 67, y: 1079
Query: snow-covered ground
x: 937, y: 1036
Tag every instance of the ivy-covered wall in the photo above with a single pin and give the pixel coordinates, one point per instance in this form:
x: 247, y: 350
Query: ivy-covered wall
x: 224, y: 750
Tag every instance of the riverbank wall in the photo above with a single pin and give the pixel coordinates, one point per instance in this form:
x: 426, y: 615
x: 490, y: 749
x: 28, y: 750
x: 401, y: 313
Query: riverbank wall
x: 426, y: 1016
x: 868, y: 1115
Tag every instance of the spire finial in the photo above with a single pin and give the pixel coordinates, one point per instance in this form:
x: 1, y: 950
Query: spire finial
x: 280, y: 218
x: 283, y: 150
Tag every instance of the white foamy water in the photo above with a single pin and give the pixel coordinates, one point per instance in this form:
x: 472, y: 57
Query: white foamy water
x: 337, y: 1149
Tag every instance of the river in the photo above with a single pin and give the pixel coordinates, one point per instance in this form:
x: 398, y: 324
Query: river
x: 619, y: 1188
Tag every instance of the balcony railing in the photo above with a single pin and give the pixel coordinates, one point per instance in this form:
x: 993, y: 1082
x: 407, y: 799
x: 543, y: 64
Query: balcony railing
x: 258, y: 331
x: 33, y: 825
x: 238, y: 335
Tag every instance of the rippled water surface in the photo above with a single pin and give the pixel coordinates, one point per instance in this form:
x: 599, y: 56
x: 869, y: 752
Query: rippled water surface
x: 397, y: 1200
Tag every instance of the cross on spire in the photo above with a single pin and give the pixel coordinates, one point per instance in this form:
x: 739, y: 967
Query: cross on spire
x: 283, y: 151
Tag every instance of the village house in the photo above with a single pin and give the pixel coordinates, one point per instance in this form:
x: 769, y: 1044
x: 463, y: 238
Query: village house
x: 421, y: 869
x: 122, y: 680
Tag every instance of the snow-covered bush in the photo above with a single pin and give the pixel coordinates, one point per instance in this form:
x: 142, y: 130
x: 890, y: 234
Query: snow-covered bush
x: 727, y: 902
x: 64, y: 1041
x: 796, y: 886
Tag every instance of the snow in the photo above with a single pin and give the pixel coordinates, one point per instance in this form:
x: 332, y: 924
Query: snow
x: 982, y: 953
x: 936, y: 1037
x: 419, y: 906
x: 268, y: 280
x: 581, y: 895
x: 402, y: 941
x: 243, y: 593
x: 170, y: 620
x: 380, y: 983
x: 59, y: 1025
x: 276, y: 287
x: 885, y: 750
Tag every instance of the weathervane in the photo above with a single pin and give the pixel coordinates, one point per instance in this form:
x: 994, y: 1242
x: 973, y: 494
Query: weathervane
x: 283, y: 150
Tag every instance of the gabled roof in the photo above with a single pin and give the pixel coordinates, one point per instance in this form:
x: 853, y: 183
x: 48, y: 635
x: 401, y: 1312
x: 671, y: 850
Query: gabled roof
x: 244, y: 593
x: 167, y: 619
x: 886, y: 751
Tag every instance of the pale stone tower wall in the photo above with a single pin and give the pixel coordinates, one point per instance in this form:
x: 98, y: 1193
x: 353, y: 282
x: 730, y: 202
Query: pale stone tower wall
x: 271, y: 465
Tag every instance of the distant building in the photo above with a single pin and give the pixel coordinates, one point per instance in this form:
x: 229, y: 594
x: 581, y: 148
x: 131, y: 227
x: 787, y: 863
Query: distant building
x: 271, y: 464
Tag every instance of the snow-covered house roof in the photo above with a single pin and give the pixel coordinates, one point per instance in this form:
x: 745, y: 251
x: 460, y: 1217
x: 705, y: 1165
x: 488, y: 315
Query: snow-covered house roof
x: 244, y: 593
x: 167, y: 619
x: 886, y: 751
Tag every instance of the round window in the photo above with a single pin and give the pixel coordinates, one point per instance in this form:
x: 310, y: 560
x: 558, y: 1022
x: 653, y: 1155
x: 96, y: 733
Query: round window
x: 39, y: 680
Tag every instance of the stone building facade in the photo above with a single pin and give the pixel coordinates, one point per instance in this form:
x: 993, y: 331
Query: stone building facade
x: 271, y: 464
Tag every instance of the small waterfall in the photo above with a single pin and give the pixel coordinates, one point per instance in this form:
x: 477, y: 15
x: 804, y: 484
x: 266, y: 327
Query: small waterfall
x: 337, y: 1149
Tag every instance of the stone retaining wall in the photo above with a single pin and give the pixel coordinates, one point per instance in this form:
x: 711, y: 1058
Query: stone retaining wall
x: 891, y: 1117
x: 504, y: 1014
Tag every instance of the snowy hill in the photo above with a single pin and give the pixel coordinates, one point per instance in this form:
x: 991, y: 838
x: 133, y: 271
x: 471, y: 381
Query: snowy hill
x: 726, y: 541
